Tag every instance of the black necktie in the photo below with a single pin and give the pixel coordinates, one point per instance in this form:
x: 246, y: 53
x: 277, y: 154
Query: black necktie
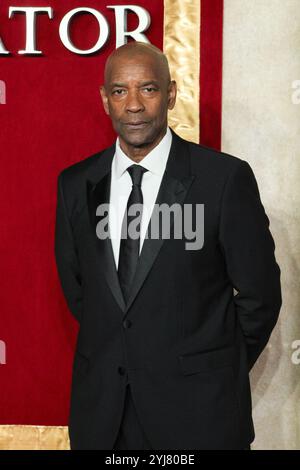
x: 129, y: 245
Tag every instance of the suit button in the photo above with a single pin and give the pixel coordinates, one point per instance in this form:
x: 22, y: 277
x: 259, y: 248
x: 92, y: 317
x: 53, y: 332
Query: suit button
x: 121, y: 370
x: 127, y: 323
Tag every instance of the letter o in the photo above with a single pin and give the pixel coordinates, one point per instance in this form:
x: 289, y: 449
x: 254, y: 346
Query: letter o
x: 64, y: 30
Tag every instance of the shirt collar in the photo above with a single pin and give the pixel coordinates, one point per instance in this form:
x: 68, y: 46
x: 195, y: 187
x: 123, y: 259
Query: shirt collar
x: 155, y: 161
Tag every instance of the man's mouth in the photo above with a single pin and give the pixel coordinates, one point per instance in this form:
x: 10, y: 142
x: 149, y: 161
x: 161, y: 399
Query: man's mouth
x: 136, y: 124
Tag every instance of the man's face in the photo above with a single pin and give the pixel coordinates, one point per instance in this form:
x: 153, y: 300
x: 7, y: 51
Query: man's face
x: 137, y: 96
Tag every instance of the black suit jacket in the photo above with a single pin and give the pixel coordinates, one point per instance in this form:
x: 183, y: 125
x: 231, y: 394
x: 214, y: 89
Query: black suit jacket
x: 185, y: 341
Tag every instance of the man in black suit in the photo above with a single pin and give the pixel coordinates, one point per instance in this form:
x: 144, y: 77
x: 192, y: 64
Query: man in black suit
x: 168, y: 330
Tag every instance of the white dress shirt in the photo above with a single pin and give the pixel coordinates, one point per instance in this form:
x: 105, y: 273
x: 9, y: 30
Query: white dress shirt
x: 121, y: 185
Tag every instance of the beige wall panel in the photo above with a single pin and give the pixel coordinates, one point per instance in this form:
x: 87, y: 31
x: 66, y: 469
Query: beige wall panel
x: 262, y: 125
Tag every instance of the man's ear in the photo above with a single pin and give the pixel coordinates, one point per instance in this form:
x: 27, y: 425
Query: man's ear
x: 104, y: 99
x: 172, y: 92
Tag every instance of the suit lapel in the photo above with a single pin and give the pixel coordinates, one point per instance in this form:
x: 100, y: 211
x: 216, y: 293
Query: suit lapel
x: 98, y: 192
x: 172, y: 191
x: 175, y: 184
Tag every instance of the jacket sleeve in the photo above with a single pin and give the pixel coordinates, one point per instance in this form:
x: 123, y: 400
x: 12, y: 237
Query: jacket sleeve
x: 248, y: 248
x: 66, y: 256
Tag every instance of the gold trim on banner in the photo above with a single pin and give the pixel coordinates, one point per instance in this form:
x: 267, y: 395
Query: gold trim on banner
x: 23, y: 437
x: 182, y: 48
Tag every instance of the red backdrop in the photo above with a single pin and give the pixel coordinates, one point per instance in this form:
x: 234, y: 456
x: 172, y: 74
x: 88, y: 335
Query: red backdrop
x: 53, y: 117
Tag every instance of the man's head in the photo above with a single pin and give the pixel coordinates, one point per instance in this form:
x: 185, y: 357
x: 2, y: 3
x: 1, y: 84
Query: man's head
x: 137, y: 94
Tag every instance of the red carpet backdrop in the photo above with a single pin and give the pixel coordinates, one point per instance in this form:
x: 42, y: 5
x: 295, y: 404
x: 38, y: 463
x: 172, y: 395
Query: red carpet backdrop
x: 234, y: 63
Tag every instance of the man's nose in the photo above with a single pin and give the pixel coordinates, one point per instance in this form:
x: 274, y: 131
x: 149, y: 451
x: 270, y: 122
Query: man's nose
x: 133, y: 102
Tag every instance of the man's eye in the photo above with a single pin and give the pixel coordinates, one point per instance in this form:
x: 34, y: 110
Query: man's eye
x: 119, y: 91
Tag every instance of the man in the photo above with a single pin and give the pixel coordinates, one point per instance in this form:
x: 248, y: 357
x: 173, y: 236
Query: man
x: 165, y: 346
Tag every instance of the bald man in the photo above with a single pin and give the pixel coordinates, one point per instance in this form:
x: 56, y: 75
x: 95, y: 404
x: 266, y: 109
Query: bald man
x: 143, y: 127
x: 165, y: 345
